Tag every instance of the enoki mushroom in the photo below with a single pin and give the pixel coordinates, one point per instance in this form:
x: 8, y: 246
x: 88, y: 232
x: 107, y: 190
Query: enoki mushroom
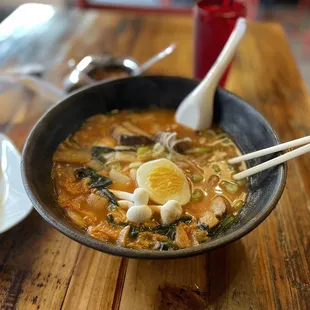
x: 170, y: 140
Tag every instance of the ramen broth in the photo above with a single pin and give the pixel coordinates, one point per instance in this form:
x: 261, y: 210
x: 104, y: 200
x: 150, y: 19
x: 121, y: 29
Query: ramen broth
x: 187, y: 189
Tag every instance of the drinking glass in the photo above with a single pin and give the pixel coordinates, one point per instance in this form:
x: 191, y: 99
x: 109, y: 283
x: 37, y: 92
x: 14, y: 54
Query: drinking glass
x: 214, y: 21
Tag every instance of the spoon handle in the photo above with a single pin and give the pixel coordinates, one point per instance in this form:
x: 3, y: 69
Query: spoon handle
x: 225, y: 57
x: 167, y: 51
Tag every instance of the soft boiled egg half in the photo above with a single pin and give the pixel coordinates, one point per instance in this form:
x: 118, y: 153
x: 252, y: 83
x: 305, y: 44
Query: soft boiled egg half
x: 164, y: 181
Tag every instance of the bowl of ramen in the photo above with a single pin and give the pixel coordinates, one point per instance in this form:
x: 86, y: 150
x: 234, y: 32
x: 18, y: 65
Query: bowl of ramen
x: 110, y: 168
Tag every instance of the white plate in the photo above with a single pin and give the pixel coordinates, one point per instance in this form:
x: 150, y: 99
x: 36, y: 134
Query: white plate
x: 14, y: 202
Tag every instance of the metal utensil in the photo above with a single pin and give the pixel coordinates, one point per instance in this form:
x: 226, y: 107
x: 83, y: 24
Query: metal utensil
x: 167, y: 51
x: 80, y: 76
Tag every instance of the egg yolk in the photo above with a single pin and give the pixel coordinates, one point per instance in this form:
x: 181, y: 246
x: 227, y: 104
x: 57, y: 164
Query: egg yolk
x: 165, y: 181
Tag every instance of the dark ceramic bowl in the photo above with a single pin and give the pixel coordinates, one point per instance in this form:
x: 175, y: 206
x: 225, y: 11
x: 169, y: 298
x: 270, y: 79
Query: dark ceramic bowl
x: 248, y: 128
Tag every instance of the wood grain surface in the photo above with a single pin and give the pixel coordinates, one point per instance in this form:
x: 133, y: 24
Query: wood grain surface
x: 268, y: 269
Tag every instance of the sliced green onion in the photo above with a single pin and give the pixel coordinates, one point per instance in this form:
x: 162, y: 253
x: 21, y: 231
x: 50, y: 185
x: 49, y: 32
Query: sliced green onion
x: 197, y: 194
x: 143, y: 149
x: 216, y: 168
x: 230, y: 186
x: 238, y: 204
x: 196, y: 178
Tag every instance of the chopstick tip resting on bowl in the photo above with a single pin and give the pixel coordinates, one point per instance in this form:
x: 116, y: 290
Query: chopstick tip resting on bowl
x: 273, y: 162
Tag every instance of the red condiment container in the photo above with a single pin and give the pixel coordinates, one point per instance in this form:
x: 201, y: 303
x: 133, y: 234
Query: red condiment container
x: 214, y: 22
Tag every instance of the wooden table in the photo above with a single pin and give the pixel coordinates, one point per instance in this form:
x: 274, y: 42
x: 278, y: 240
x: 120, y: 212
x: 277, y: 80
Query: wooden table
x: 268, y: 269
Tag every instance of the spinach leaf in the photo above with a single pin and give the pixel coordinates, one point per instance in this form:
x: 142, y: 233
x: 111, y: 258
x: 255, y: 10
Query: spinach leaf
x: 166, y: 246
x: 98, y: 152
x: 109, y: 195
x: 111, y: 221
x: 171, y: 233
x: 96, y: 180
x: 203, y: 226
x: 166, y: 230
x: 185, y: 219
x: 170, y: 230
x: 110, y: 218
x: 224, y: 224
x: 134, y: 231
x: 81, y: 173
x: 101, y: 182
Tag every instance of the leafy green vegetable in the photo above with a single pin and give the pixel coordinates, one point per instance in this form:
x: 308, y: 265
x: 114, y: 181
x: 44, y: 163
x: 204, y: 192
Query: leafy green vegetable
x: 109, y: 195
x: 201, y: 236
x: 170, y: 230
x: 98, y: 152
x: 166, y: 230
x: 166, y: 246
x: 224, y: 224
x: 203, y: 226
x: 238, y: 204
x: 83, y: 173
x: 110, y: 217
x: 185, y: 219
x: 96, y: 180
x: 135, y: 230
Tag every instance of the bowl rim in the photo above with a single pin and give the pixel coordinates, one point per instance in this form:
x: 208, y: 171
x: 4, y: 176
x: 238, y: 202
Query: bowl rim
x: 110, y: 248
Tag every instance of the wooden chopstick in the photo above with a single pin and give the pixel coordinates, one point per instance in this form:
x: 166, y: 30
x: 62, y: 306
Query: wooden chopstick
x: 270, y: 150
x: 273, y: 162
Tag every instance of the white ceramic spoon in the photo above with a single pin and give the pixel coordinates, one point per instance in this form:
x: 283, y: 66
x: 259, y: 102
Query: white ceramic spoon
x: 196, y: 110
